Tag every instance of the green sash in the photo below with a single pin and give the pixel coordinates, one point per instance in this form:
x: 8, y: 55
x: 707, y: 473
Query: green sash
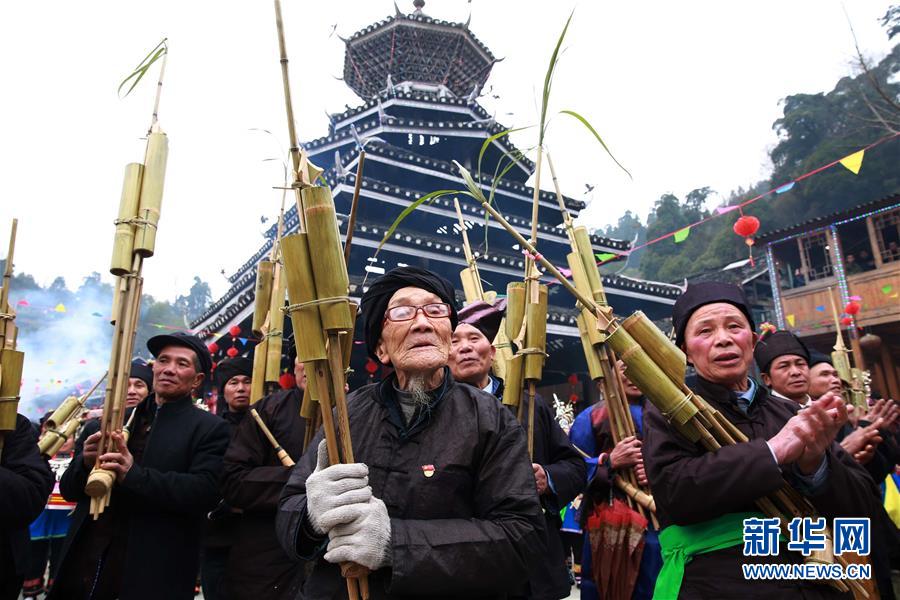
x: 680, y: 544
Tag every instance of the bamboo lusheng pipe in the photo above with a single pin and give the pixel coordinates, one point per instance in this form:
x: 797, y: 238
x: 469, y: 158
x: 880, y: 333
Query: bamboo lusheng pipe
x: 152, y: 184
x: 61, y: 425
x: 354, y: 207
x: 331, y: 285
x: 262, y: 294
x: 279, y: 451
x: 11, y: 360
x: 470, y: 277
x: 123, y: 243
x: 640, y: 497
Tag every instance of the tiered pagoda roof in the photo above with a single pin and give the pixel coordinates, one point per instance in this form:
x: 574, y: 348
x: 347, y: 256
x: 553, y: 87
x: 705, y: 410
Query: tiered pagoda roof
x: 412, y: 125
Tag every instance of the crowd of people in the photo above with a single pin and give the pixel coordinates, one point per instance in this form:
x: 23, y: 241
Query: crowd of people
x: 443, y: 498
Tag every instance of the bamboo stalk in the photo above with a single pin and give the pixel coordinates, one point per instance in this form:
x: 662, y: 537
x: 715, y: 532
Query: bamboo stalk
x: 354, y: 206
x: 279, y: 451
x: 262, y: 295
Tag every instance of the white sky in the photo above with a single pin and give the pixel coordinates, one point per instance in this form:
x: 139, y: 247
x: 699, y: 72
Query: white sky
x: 684, y: 93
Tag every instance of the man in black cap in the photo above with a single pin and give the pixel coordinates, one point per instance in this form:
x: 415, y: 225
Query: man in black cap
x: 233, y: 378
x: 442, y: 502
x: 559, y: 471
x: 823, y: 377
x: 146, y: 544
x: 140, y: 382
x: 702, y: 497
x: 252, y: 481
x: 783, y: 362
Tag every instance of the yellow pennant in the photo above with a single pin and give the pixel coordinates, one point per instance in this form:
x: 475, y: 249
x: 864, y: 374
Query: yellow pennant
x: 853, y: 162
x: 789, y: 319
x: 60, y: 308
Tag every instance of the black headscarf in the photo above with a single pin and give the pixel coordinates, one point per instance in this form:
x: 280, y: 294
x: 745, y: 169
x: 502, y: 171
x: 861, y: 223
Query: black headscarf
x: 778, y: 344
x: 816, y: 358
x: 484, y: 316
x: 701, y: 294
x: 375, y: 301
x: 229, y: 368
x: 141, y: 370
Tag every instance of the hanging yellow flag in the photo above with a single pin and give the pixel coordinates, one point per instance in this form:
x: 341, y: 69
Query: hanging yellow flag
x: 789, y: 319
x: 60, y: 307
x: 853, y: 162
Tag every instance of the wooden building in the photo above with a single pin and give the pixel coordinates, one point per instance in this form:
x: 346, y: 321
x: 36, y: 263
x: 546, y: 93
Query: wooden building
x: 849, y: 255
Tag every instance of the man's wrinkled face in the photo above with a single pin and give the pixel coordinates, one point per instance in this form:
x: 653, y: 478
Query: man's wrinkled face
x: 719, y: 343
x: 174, y: 372
x: 823, y: 378
x: 237, y: 393
x: 789, y: 376
x: 471, y: 355
x: 419, y: 345
x: 137, y: 391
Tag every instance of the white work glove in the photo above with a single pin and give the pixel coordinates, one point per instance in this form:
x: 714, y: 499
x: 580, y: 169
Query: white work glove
x: 366, y: 540
x: 335, y: 494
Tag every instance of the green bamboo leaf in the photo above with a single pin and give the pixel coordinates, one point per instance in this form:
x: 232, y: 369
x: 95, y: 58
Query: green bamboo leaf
x: 548, y: 78
x: 494, y: 137
x: 135, y: 77
x: 590, y: 128
x: 408, y: 211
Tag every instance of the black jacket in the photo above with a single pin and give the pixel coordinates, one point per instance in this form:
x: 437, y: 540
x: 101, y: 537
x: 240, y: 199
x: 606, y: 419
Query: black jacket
x: 252, y: 481
x: 25, y: 484
x: 469, y: 530
x: 163, y: 501
x: 566, y: 469
x: 691, y: 485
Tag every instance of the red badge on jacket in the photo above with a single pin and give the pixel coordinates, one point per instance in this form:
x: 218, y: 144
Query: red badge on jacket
x: 428, y: 470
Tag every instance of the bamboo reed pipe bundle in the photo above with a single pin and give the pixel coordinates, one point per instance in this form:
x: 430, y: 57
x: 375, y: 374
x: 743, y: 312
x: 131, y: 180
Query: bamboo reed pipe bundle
x: 52, y: 440
x: 262, y: 294
x: 123, y: 243
x: 515, y: 378
x: 329, y: 269
x: 515, y: 309
x: 536, y: 335
x: 657, y: 345
x: 258, y: 379
x: 11, y: 360
x: 280, y: 452
x: 593, y: 362
x: 152, y: 184
x: 301, y: 288
x: 69, y: 407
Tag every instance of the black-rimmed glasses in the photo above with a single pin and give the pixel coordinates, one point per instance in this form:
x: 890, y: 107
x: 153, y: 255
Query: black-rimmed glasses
x: 437, y: 310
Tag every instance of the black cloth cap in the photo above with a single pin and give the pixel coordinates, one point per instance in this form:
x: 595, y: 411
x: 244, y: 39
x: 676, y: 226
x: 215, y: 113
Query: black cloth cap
x: 375, y: 301
x: 156, y: 344
x: 778, y: 344
x: 701, y: 294
x: 816, y: 357
x: 484, y: 316
x: 231, y: 367
x: 141, y: 370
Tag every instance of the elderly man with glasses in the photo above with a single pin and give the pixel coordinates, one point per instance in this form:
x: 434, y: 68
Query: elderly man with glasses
x: 442, y: 502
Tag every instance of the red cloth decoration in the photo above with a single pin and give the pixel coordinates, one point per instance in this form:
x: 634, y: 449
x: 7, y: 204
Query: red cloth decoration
x: 287, y: 381
x: 213, y: 348
x: 852, y: 308
x: 234, y: 331
x: 746, y: 226
x: 371, y: 366
x: 847, y: 321
x: 232, y: 352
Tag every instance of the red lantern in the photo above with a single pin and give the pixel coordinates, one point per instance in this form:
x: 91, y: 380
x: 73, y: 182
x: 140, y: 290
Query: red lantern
x: 371, y: 366
x: 847, y: 321
x: 573, y: 379
x: 213, y: 348
x: 852, y: 308
x: 234, y: 331
x: 287, y: 381
x: 232, y: 352
x: 746, y: 226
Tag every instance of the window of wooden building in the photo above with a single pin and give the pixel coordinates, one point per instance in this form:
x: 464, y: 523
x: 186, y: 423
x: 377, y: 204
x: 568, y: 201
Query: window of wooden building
x: 887, y: 235
x: 816, y: 256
